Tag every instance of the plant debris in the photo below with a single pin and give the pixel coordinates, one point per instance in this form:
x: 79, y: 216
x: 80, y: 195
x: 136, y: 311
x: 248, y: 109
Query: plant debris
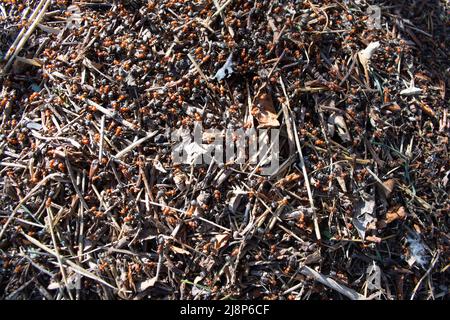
x: 95, y: 204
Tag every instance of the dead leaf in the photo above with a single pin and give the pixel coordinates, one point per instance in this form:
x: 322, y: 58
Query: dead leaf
x: 158, y: 166
x: 363, y: 216
x: 221, y: 240
x: 393, y: 107
x: 312, y: 258
x: 198, y: 279
x: 445, y: 179
x: 337, y: 121
x: 265, y: 112
x: 33, y: 62
x: 388, y: 187
x: 194, y: 152
x: 198, y: 289
x: 179, y: 250
x: 180, y: 178
x: 203, y: 198
x: 427, y: 109
x: 417, y: 228
x: 396, y: 213
x: 144, y: 285
x: 53, y: 285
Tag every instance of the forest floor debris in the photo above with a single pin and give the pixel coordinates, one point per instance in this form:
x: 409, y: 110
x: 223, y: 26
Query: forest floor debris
x: 94, y: 205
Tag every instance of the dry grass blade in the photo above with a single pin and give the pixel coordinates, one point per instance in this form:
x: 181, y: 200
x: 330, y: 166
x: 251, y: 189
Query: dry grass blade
x: 329, y: 282
x: 69, y: 263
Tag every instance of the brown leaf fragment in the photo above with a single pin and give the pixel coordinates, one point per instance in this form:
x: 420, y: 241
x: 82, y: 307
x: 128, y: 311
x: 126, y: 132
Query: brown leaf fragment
x: 427, y: 109
x: 398, y: 212
x: 221, y: 240
x: 293, y: 177
x: 265, y: 112
x: 388, y: 187
x: 393, y: 107
x: 417, y: 228
x: 180, y: 179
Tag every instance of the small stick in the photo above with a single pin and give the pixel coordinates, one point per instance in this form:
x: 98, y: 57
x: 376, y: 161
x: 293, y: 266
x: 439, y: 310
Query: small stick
x: 197, y: 67
x: 290, y: 232
x: 214, y: 224
x: 110, y: 114
x: 219, y: 10
x: 308, y: 187
x: 19, y: 36
x: 58, y: 256
x: 102, y: 134
x: 75, y: 186
x: 28, y: 196
x: 331, y: 283
x: 24, y: 39
x: 71, y: 264
x: 286, y: 107
x: 135, y: 144
x: 182, y: 211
